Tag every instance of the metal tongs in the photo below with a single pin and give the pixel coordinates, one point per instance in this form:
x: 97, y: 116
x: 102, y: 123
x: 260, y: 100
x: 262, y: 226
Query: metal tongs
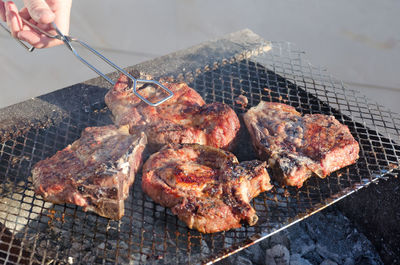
x: 68, y: 40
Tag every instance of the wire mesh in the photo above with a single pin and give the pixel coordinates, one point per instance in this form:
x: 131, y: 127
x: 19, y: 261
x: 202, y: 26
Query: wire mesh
x: 33, y: 231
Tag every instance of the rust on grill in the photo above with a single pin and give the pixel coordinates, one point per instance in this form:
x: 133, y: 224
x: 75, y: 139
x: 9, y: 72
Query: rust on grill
x: 33, y: 231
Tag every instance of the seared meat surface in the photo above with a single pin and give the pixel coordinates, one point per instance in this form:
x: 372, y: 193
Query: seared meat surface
x: 297, y: 146
x: 185, y: 118
x: 206, y: 187
x: 95, y: 172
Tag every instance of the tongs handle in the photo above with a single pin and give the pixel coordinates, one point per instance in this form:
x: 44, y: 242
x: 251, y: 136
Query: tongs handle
x: 27, y: 47
x: 68, y: 40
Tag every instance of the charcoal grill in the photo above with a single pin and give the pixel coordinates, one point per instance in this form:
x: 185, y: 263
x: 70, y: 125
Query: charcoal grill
x: 33, y: 231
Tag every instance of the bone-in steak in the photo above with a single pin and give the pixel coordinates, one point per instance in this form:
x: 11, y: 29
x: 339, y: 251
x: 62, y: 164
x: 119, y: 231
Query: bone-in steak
x: 297, y: 146
x: 94, y: 172
x: 185, y: 118
x: 206, y: 187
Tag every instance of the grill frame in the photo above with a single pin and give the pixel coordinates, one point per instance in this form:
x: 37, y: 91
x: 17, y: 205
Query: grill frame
x: 37, y: 128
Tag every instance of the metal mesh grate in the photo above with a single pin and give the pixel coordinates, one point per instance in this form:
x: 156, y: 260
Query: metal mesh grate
x: 36, y: 232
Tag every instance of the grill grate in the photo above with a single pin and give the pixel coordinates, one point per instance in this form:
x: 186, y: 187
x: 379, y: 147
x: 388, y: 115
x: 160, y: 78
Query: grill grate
x: 36, y: 232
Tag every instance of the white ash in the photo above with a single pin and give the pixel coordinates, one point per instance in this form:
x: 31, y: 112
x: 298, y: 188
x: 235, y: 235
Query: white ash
x: 277, y: 255
x: 326, y: 238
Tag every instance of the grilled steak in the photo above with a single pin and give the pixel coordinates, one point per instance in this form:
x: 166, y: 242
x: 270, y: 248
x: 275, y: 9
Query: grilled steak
x: 206, y: 187
x: 297, y: 146
x: 185, y: 118
x: 94, y: 172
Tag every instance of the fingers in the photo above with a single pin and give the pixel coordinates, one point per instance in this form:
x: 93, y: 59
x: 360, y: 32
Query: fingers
x: 37, y: 40
x: 32, y: 36
x: 13, y: 19
x: 40, y: 11
x: 2, y: 11
x: 62, y: 10
x: 24, y: 13
x: 29, y: 36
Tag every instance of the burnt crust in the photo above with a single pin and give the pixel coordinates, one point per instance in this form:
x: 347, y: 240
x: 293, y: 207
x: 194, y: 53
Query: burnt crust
x: 185, y: 118
x: 94, y: 172
x: 298, y: 146
x: 207, y: 188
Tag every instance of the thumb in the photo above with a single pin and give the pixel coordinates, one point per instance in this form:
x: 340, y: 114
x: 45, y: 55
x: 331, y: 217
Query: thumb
x: 40, y: 11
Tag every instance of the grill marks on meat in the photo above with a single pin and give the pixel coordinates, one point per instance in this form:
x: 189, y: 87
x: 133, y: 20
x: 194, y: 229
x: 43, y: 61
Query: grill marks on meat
x: 185, y: 118
x: 94, y: 172
x: 297, y: 146
x: 206, y: 187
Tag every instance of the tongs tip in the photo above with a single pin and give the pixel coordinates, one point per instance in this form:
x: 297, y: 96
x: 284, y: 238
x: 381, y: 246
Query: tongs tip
x: 154, y: 82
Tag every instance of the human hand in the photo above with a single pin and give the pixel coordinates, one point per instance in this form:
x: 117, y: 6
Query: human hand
x: 40, y: 13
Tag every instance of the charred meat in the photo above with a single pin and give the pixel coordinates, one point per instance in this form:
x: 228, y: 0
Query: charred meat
x: 95, y: 172
x: 297, y: 146
x: 207, y: 188
x: 185, y: 118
